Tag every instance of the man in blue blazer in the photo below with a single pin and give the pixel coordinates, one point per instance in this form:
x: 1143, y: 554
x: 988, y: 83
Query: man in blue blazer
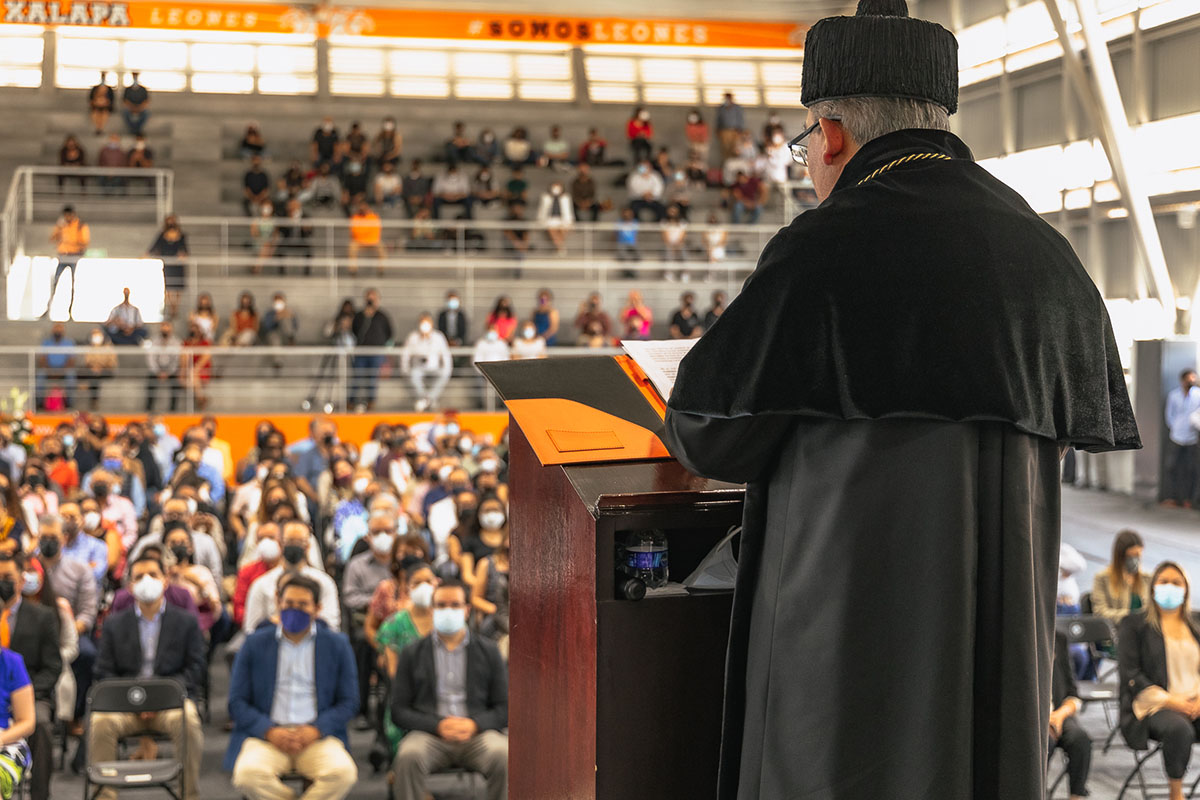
x: 294, y: 689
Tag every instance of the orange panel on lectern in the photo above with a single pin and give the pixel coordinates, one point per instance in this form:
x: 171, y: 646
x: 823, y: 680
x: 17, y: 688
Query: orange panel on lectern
x: 541, y: 416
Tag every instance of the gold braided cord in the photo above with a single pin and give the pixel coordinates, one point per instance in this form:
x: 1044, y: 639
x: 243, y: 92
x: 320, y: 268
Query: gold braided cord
x: 904, y: 160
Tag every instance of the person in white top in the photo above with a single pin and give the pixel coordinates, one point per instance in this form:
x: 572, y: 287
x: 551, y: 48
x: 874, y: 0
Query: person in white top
x: 489, y: 347
x: 260, y: 603
x: 556, y: 213
x: 528, y: 344
x: 426, y: 356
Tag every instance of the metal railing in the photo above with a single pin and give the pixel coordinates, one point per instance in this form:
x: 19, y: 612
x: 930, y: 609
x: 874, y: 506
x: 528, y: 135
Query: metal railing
x: 321, y: 249
x: 37, y: 193
x: 241, y: 379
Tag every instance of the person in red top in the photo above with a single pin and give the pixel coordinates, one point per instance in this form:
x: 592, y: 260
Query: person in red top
x: 591, y: 152
x: 268, y: 551
x: 640, y: 133
x: 503, y: 319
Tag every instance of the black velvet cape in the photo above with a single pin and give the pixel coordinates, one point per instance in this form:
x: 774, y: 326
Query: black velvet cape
x: 895, y: 385
x: 932, y: 291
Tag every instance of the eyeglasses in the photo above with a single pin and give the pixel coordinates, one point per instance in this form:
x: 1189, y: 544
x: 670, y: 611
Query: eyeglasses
x: 799, y: 146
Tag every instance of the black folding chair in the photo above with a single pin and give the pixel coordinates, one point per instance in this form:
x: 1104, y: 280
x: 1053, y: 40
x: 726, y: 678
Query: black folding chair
x: 136, y: 696
x: 1095, y: 630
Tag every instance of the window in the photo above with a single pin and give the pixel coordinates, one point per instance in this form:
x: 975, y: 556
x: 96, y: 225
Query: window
x: 420, y: 87
x: 483, y: 90
x: 212, y: 57
x: 686, y: 95
x: 664, y: 75
x: 668, y: 70
x: 21, y: 49
x: 483, y: 65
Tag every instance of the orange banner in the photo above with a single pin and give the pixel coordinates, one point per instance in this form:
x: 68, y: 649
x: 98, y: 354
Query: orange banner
x: 238, y: 429
x: 324, y: 20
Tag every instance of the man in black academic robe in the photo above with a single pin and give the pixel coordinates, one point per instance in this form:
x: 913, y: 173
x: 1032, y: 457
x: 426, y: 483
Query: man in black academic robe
x: 896, y: 384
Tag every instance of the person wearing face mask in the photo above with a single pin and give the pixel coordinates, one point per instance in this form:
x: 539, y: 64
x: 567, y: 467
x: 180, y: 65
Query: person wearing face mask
x: 123, y: 475
x: 452, y: 322
x: 490, y: 595
x: 1122, y: 586
x: 268, y: 554
x: 56, y: 368
x: 93, y: 524
x: 326, y: 145
x: 1159, y: 666
x: 350, y: 516
x: 82, y: 546
x: 478, y: 537
x: 388, y: 143
x: 557, y: 214
x: 99, y: 364
x: 363, y: 574
x: 124, y: 323
x: 411, y: 620
x: 291, y: 695
x: 1065, y: 731
x: 198, y: 580
x: 450, y: 693
x: 645, y: 187
x: 640, y: 133
x: 528, y: 344
x: 426, y: 360
x: 409, y: 548
x: 31, y: 630
x: 296, y: 541
x: 152, y: 639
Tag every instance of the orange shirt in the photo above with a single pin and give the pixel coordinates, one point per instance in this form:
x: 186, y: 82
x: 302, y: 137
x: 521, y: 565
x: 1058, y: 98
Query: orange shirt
x: 365, y: 228
x: 73, y: 237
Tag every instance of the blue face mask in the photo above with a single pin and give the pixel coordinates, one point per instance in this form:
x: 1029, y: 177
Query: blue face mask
x: 68, y: 441
x: 1168, y: 596
x: 294, y: 620
x: 160, y: 430
x: 448, y: 621
x: 112, y: 464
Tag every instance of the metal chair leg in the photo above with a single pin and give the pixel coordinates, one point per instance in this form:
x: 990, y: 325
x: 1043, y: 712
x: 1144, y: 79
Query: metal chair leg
x: 1137, y: 773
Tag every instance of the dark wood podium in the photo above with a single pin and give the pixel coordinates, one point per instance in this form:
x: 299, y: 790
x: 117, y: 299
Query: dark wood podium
x: 611, y: 698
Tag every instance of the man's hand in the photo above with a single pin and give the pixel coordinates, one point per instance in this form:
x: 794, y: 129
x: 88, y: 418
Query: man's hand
x: 1193, y: 711
x: 81, y: 626
x: 457, y: 729
x: 283, y: 738
x: 305, y: 735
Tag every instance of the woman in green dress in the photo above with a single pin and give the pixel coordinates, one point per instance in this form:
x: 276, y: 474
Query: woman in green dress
x: 412, y: 621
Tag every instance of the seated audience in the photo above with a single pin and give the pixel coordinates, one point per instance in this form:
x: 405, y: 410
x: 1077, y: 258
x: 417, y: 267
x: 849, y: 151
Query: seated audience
x: 253, y: 143
x: 450, y: 692
x: 267, y: 554
x: 556, y: 213
x: 636, y: 317
x: 590, y: 312
x: 81, y: 545
x: 411, y: 620
x: 747, y: 199
x: 483, y: 187
x: 583, y: 194
x: 363, y: 574
x: 545, y: 317
x: 71, y: 154
x: 326, y: 145
x: 388, y: 143
x: 517, y: 150
x: 685, y: 322
x: 56, y: 376
x: 1159, y: 666
x: 453, y: 188
x: 426, y: 360
x: 458, y: 146
x: 696, y: 132
x: 528, y: 344
x: 73, y: 581
x: 645, y: 187
x: 243, y: 323
x: 1065, y: 730
x: 17, y: 721
x: 517, y: 189
x: 716, y: 241
x: 140, y: 156
x: 31, y: 630
x: 416, y: 188
x: 591, y: 152
x: 196, y: 579
x: 175, y: 514
x: 260, y: 602
x: 487, y: 149
x: 674, y: 236
x: 99, y: 365
x: 256, y: 187
x: 1122, y: 586
x: 136, y: 102
x: 291, y: 696
x: 152, y: 640
x: 517, y: 239
x: 387, y: 185
x: 556, y: 153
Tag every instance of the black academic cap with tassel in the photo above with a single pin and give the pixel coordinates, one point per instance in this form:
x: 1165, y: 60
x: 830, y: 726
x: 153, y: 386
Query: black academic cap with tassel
x: 880, y: 52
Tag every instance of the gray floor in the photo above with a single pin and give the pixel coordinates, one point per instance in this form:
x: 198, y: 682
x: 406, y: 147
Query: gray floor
x: 1089, y: 521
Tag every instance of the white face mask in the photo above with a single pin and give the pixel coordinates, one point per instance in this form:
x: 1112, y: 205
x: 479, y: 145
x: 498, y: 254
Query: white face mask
x: 381, y: 543
x: 33, y: 582
x: 464, y: 445
x: 360, y: 485
x: 262, y: 473
x: 279, y: 304
x: 268, y: 550
x: 191, y: 506
x: 491, y: 520
x: 204, y: 494
x: 645, y: 115
x: 327, y: 126
x: 444, y: 472
x: 387, y: 126
x: 426, y: 328
x: 529, y: 333
x: 148, y: 589
x: 489, y: 465
x: 97, y: 338
x: 422, y: 595
x: 91, y: 520
x: 492, y: 336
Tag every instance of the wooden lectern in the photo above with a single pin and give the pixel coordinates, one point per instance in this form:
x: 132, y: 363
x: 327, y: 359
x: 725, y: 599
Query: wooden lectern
x: 611, y: 698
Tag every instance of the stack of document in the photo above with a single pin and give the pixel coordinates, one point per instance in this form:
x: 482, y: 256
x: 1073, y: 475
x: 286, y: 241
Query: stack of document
x: 659, y: 360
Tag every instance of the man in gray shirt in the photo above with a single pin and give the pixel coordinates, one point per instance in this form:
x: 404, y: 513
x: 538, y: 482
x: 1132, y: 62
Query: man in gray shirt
x: 364, y: 572
x: 72, y: 580
x: 451, y: 694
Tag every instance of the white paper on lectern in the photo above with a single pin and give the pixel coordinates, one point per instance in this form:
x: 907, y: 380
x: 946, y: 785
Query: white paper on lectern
x: 718, y: 570
x: 659, y: 360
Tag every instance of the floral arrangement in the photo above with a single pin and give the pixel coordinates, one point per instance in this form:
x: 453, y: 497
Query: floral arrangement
x: 14, y: 418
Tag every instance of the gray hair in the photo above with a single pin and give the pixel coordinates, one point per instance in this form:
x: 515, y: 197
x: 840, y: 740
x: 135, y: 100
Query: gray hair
x: 867, y: 118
